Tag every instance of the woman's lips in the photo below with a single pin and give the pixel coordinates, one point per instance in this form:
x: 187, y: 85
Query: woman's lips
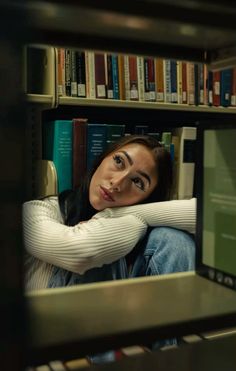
x: 106, y: 195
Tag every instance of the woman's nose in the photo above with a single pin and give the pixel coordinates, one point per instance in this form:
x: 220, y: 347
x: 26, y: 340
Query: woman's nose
x: 117, y: 183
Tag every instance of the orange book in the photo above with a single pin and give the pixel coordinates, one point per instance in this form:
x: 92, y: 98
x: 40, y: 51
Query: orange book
x: 159, y: 78
x: 121, y: 76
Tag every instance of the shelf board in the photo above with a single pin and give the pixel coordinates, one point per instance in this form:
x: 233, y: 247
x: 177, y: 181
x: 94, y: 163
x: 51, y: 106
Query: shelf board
x: 75, y: 321
x: 73, y: 101
x: 40, y: 98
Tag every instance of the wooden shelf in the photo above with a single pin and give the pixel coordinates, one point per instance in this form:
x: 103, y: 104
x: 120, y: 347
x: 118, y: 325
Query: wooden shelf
x: 75, y: 321
x: 73, y: 101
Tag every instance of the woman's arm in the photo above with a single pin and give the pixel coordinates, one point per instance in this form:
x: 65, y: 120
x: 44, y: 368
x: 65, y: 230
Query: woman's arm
x: 84, y: 246
x: 180, y: 214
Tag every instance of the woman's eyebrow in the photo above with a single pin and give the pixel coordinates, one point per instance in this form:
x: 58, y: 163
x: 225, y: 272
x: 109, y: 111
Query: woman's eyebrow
x: 145, y: 175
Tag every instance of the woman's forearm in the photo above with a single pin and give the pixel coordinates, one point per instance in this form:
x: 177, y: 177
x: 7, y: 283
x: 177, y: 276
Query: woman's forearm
x: 180, y: 214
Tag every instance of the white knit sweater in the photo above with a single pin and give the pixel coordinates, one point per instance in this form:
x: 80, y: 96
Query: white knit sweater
x: 108, y: 236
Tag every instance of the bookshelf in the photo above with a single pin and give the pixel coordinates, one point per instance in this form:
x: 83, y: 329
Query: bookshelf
x: 175, y: 29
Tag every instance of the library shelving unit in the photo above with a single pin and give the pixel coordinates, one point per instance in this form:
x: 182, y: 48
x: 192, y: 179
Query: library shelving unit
x: 65, y: 323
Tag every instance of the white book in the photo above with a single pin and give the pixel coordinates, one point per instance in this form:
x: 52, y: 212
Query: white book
x: 186, y: 161
x: 140, y: 71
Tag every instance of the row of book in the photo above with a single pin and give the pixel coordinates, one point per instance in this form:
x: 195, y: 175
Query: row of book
x: 88, y: 74
x: 70, y: 147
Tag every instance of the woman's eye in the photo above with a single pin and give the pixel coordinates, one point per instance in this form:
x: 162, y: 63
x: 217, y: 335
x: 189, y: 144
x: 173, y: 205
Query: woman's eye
x: 139, y: 183
x: 118, y: 160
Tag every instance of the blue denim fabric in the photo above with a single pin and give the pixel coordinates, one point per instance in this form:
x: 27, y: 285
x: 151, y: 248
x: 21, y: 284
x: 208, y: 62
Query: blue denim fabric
x: 164, y: 250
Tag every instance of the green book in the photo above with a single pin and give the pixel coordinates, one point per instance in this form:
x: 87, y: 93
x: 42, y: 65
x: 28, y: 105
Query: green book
x: 114, y: 133
x: 57, y: 147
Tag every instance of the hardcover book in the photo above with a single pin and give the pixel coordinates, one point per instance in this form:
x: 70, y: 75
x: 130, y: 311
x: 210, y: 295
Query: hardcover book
x: 81, y: 74
x: 79, y: 150
x: 100, y: 77
x: 96, y: 142
x: 57, y: 147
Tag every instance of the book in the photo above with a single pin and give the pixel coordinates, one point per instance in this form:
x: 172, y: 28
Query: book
x: 179, y: 82
x: 73, y: 72
x: 141, y: 129
x: 79, y: 150
x: 184, y: 83
x: 126, y: 77
x: 233, y: 88
x: 159, y: 79
x: 96, y: 142
x: 90, y: 75
x: 186, y: 161
x: 216, y: 88
x: 67, y: 72
x: 109, y: 76
x: 167, y: 81
x: 100, y: 76
x: 173, y: 81
x: 115, y: 76
x: 133, y: 75
x: 140, y: 72
x: 225, y: 87
x: 190, y: 83
x: 61, y: 72
x: 57, y: 147
x: 210, y: 87
x: 149, y: 75
x: 114, y: 133
x: 81, y: 74
x: 121, y: 76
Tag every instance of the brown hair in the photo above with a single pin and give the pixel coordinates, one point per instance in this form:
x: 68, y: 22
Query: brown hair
x: 75, y: 205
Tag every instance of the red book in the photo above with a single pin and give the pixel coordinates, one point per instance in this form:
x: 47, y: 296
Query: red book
x: 216, y: 88
x: 233, y: 89
x: 79, y: 150
x: 100, y: 75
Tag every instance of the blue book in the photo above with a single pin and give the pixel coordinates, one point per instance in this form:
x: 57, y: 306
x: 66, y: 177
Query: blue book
x: 96, y: 142
x: 57, y: 147
x: 115, y: 77
x: 226, y: 77
x: 173, y: 81
x: 114, y: 133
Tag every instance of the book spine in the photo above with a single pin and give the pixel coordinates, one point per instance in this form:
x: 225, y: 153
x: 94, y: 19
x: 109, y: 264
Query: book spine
x: 61, y: 72
x: 133, y: 75
x: 73, y: 65
x: 114, y: 133
x: 225, y: 83
x: 159, y: 78
x: 126, y: 77
x: 81, y: 74
x: 121, y: 75
x: 146, y: 87
x: 79, y: 150
x: 140, y: 71
x: 115, y: 76
x: 68, y: 72
x: 96, y: 142
x: 167, y: 81
x: 201, y: 84
x: 151, y: 80
x: 190, y: 83
x: 184, y: 83
x: 196, y: 84
x: 109, y: 77
x: 100, y: 78
x: 179, y: 82
x: 173, y: 81
x: 210, y: 87
x: 216, y: 88
x: 141, y: 129
x: 91, y: 74
x: 233, y: 88
x: 57, y: 147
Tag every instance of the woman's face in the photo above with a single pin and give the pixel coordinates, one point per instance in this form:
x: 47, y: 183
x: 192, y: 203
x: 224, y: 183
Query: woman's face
x: 125, y: 177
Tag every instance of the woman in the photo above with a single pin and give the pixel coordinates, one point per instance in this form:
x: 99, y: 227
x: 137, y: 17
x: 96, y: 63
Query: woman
x: 88, y: 234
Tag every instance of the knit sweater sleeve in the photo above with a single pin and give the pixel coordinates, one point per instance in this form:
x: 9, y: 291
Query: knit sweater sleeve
x: 87, y: 245
x: 180, y: 214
